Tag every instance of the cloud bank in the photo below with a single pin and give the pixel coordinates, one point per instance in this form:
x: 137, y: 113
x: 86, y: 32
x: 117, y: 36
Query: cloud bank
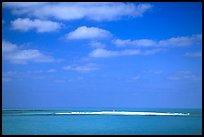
x: 97, y: 11
x: 103, y: 53
x: 171, y: 42
x: 182, y: 41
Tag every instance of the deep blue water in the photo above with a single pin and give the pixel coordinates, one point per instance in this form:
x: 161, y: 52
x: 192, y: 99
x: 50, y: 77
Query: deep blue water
x: 35, y: 122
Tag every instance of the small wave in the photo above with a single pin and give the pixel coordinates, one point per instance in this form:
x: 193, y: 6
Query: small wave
x: 123, y: 113
x: 99, y: 113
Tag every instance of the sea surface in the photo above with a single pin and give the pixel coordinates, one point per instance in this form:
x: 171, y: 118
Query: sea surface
x: 106, y: 121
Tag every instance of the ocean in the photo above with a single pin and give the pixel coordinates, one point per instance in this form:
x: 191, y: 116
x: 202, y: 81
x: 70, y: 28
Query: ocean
x: 106, y: 121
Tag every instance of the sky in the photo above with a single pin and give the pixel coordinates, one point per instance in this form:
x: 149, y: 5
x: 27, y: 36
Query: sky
x: 94, y: 54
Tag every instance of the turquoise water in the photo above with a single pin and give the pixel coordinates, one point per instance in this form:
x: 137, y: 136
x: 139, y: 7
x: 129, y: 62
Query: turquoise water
x: 47, y: 122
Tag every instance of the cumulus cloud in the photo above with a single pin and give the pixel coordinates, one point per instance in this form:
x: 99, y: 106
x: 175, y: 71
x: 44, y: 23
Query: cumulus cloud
x: 103, y: 53
x: 184, y: 75
x: 85, y: 32
x: 193, y: 54
x: 182, y: 41
x: 26, y: 24
x: 97, y: 11
x: 14, y: 54
x: 82, y: 68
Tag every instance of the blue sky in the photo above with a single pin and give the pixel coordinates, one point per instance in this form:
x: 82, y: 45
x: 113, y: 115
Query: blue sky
x: 142, y: 55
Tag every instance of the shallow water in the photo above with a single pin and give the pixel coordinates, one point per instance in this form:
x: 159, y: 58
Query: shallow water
x: 52, y: 122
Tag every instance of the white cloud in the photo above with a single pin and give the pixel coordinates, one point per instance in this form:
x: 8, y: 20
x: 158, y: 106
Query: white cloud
x: 63, y: 80
x: 60, y: 81
x: 175, y: 41
x: 23, y: 56
x: 153, y: 71
x: 14, y: 54
x: 85, y: 32
x: 16, y: 5
x: 184, y: 75
x: 23, y: 74
x: 147, y: 71
x: 8, y: 47
x: 95, y: 44
x: 157, y: 72
x: 20, y: 73
x: 82, y: 68
x: 136, y: 43
x: 51, y: 70
x: 6, y: 79
x: 26, y: 24
x: 103, y: 53
x: 97, y: 11
x: 152, y: 51
x: 193, y: 54
x: 86, y: 68
x: 182, y: 41
x: 67, y: 67
x: 136, y: 78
